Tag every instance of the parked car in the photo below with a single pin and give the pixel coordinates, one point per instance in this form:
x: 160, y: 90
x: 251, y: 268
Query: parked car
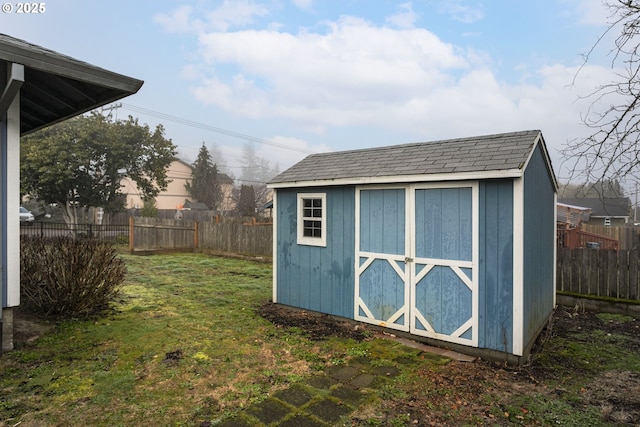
x: 26, y: 217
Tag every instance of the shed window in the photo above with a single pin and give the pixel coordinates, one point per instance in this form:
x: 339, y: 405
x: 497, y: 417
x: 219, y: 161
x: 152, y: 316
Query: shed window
x: 312, y: 221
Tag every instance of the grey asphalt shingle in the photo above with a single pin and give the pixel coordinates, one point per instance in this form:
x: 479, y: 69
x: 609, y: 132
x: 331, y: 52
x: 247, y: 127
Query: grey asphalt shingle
x: 508, y: 151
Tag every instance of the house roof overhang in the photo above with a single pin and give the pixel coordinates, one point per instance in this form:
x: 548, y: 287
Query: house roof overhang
x: 56, y: 87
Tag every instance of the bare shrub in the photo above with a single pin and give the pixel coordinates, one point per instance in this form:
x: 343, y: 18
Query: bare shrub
x: 68, y: 277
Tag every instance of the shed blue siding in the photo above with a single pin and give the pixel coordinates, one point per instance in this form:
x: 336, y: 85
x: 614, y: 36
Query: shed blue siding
x: 539, y: 243
x: 312, y: 277
x: 495, y: 302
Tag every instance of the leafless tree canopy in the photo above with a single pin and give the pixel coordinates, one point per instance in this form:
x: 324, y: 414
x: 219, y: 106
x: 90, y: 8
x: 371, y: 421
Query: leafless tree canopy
x: 612, y: 150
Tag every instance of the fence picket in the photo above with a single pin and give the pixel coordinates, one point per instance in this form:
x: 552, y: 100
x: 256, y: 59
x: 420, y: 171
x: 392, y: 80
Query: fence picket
x: 634, y: 265
x: 606, y: 273
x: 623, y: 274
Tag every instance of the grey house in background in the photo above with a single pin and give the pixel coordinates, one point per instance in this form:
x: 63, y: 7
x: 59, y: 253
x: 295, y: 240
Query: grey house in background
x: 451, y: 242
x: 38, y: 87
x: 604, y: 211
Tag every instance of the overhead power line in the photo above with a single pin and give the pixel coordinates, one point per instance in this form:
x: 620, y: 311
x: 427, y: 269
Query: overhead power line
x: 210, y: 128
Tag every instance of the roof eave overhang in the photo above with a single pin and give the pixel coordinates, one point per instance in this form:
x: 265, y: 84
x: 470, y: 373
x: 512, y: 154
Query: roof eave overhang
x: 46, y: 70
x: 399, y: 179
x: 70, y: 68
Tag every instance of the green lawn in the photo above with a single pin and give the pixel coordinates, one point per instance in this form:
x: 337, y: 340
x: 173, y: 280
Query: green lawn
x: 182, y: 340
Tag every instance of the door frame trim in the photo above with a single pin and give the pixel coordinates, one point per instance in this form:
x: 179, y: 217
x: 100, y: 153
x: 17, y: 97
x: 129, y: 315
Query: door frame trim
x: 410, y: 275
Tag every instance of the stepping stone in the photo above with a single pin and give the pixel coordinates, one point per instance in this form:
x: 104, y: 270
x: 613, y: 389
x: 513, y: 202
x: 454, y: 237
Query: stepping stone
x: 361, y: 381
x: 294, y: 395
x: 235, y: 422
x: 386, y: 371
x: 328, y: 410
x: 342, y: 373
x: 321, y: 382
x: 268, y: 411
x: 349, y: 396
x: 300, y: 421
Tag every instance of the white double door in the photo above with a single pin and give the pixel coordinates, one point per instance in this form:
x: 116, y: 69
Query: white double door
x: 416, y: 259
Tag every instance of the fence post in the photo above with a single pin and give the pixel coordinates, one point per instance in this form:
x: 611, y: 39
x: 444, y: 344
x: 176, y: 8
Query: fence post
x: 131, y: 227
x: 195, y: 235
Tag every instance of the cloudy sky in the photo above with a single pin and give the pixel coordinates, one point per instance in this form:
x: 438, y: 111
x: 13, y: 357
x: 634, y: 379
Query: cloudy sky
x: 302, y: 76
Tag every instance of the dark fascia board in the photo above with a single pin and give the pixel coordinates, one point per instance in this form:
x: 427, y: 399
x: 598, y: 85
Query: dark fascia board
x: 33, y: 56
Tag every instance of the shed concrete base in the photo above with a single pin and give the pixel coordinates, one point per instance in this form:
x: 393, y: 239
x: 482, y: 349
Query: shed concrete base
x: 6, y: 335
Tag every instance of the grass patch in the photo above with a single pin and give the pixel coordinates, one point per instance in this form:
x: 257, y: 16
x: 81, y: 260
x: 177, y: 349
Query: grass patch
x: 201, y: 306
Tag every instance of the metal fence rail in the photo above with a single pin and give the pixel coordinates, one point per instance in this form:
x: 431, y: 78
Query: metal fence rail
x: 112, y: 232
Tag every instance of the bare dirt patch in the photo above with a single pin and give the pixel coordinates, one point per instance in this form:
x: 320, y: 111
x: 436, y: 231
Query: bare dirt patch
x: 27, y: 328
x: 316, y: 325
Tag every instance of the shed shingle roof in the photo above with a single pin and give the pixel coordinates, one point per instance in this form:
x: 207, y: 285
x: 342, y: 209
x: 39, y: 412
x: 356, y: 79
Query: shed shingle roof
x: 500, y: 152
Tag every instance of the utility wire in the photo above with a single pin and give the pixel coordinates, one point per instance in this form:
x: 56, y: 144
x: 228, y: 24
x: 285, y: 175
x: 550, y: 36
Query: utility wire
x: 210, y: 128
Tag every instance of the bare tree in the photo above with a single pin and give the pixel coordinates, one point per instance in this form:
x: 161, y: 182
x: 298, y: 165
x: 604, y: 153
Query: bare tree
x: 612, y: 150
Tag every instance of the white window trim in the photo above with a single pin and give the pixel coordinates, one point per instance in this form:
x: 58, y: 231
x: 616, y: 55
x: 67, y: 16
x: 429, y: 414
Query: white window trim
x: 312, y: 241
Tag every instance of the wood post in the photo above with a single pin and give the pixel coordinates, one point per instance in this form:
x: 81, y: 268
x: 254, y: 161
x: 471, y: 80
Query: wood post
x: 131, y: 228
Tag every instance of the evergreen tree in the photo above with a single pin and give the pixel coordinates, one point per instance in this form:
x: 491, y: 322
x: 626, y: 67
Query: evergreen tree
x: 204, y: 186
x: 250, y: 164
x: 149, y: 208
x: 247, y: 203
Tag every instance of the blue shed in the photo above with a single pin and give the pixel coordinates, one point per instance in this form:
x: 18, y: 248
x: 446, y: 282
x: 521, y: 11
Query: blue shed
x: 452, y: 242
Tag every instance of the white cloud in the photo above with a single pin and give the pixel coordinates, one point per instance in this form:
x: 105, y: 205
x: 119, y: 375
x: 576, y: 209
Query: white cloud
x: 462, y: 12
x: 591, y: 12
x: 178, y: 21
x: 230, y: 14
x: 303, y: 4
x: 405, y: 18
x: 335, y: 78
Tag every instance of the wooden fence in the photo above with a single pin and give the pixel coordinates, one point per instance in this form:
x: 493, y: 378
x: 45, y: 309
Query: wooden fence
x: 629, y: 237
x: 154, y: 234
x: 248, y: 239
x: 605, y: 273
x: 254, y: 239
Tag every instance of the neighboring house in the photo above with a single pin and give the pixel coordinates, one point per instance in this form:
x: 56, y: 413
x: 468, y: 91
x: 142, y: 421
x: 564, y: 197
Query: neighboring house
x: 176, y: 194
x: 38, y: 87
x: 604, y: 211
x: 451, y: 242
x: 194, y: 206
x: 571, y: 216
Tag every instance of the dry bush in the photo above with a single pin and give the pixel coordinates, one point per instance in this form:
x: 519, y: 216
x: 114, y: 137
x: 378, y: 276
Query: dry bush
x: 67, y: 276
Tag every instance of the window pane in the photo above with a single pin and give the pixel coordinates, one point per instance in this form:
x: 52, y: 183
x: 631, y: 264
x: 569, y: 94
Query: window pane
x: 312, y: 208
x: 312, y: 229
